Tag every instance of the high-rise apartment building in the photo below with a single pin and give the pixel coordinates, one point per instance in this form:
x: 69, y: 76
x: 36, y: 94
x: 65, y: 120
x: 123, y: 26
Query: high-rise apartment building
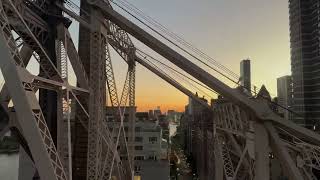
x: 284, y: 92
x: 245, y: 75
x: 305, y: 60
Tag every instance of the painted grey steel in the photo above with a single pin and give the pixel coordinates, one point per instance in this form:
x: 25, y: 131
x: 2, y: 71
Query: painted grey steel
x: 26, y: 108
x: 244, y: 129
x: 290, y: 166
x: 171, y: 81
x: 260, y: 110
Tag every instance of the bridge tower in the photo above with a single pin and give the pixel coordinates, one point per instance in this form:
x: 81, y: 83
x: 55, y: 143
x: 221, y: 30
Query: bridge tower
x: 92, y: 54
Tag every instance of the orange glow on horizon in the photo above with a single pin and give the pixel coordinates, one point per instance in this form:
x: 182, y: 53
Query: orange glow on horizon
x: 164, y: 106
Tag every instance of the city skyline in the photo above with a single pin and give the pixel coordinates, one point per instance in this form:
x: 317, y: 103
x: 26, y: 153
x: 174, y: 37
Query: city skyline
x: 226, y: 31
x: 140, y: 89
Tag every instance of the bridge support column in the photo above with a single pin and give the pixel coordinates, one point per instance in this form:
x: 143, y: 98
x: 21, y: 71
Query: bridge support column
x: 26, y: 168
x: 218, y: 163
x: 278, y: 147
x: 262, y: 169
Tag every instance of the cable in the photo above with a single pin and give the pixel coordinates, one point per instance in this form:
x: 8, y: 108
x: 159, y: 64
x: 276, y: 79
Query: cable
x: 174, y: 70
x: 155, y: 66
x: 176, y: 37
x: 217, y: 64
x: 187, y: 44
x: 181, y: 77
x: 175, y: 44
x: 157, y: 32
x: 74, y: 5
x: 272, y: 102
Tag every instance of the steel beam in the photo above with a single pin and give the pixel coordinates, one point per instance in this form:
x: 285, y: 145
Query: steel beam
x: 172, y: 82
x: 121, y: 51
x: 132, y: 115
x: 4, y: 130
x: 80, y: 151
x: 40, y: 143
x: 218, y: 163
x: 282, y: 154
x: 26, y: 167
x: 262, y: 169
x: 25, y: 54
x: 239, y: 151
x: 246, y: 103
x: 262, y: 111
x: 172, y: 55
x: 79, y: 70
x: 97, y: 99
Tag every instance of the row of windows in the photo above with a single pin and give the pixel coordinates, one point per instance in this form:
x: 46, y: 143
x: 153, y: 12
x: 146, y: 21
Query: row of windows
x: 153, y: 139
x: 137, y: 168
x: 140, y: 139
x: 138, y: 148
x: 140, y: 158
x: 137, y: 129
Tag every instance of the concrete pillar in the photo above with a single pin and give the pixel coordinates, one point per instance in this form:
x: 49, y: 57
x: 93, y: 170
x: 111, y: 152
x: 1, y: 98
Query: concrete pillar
x: 218, y: 162
x: 262, y: 169
x: 26, y: 167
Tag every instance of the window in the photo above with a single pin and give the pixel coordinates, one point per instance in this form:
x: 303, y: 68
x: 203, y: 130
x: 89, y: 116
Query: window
x: 152, y: 139
x: 126, y: 118
x: 110, y: 118
x: 138, y: 148
x: 138, y: 139
x: 137, y: 168
x: 140, y: 158
x: 153, y: 157
x: 137, y: 129
x: 123, y: 158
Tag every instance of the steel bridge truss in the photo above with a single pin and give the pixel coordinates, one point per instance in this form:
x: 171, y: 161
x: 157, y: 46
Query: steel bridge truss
x: 245, y: 131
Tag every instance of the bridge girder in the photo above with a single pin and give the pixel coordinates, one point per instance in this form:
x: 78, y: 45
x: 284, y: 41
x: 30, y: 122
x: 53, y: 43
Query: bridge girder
x: 236, y: 120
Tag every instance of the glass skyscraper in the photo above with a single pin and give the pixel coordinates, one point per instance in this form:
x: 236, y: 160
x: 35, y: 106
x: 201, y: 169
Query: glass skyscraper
x: 305, y: 60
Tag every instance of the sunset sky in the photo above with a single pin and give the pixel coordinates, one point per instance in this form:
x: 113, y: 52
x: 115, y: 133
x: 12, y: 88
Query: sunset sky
x: 227, y: 30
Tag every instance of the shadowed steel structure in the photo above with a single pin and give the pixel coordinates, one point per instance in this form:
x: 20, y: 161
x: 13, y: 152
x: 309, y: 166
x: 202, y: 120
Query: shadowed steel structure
x: 246, y: 130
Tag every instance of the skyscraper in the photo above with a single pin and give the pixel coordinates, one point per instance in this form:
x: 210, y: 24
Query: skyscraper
x: 245, y: 75
x: 284, y: 91
x: 305, y: 60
